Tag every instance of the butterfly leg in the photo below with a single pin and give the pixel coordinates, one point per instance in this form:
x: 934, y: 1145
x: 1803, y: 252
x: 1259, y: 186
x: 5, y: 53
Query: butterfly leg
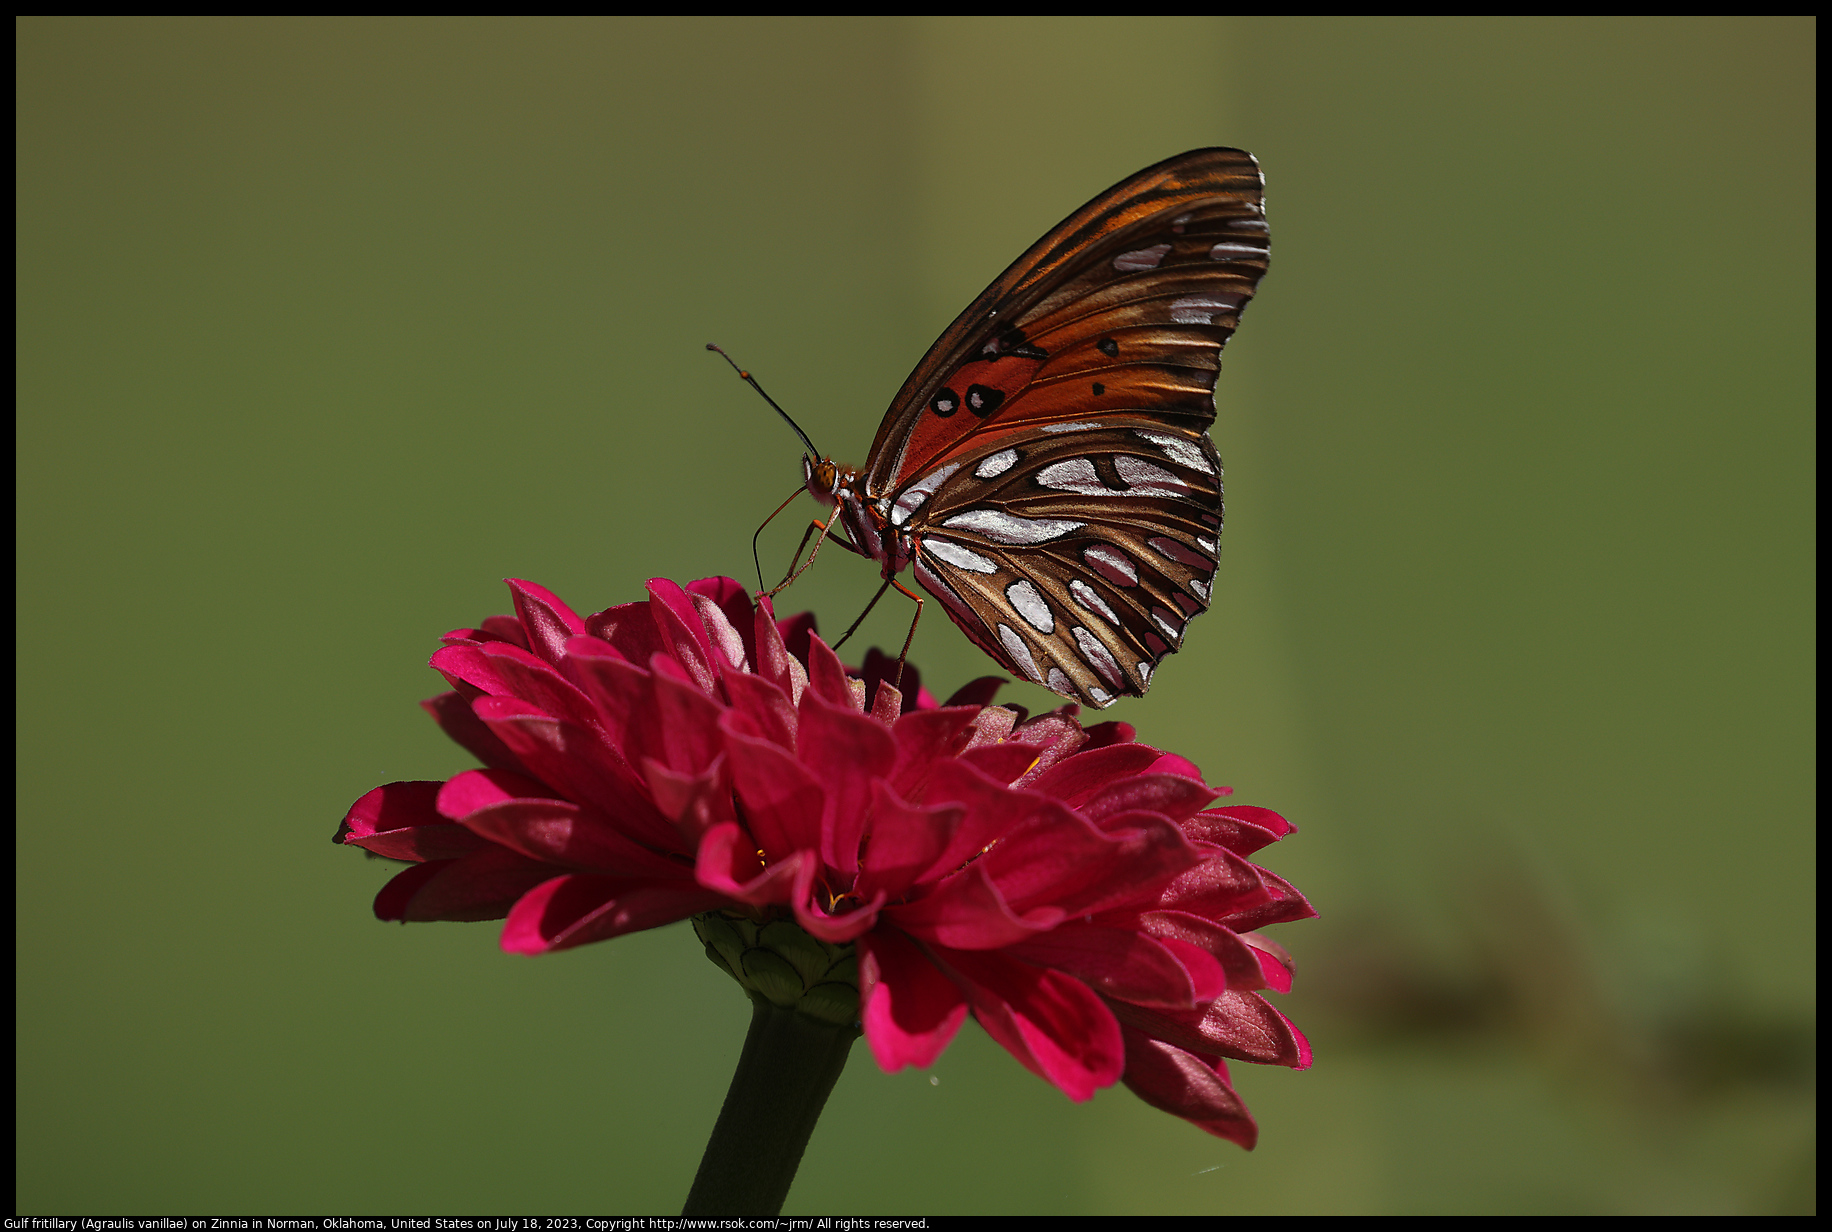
x: 897, y: 680
x: 826, y: 529
x: 755, y: 560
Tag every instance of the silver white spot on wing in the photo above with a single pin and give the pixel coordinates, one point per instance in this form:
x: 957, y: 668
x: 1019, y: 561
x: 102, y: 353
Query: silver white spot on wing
x: 1073, y: 475
x: 1028, y: 601
x: 1201, y: 589
x: 1163, y: 619
x: 912, y: 497
x: 1178, y: 450
x: 958, y: 556
x: 1141, y: 258
x: 1002, y: 527
x: 1112, y: 564
x: 1101, y: 696
x: 1144, y: 673
x: 1208, y: 545
x: 1247, y: 224
x: 1098, y: 657
x: 1146, y: 479
x: 1089, y: 598
x: 1061, y: 683
x: 1019, y: 652
x: 1201, y: 309
x: 1230, y: 252
x: 1067, y: 427
x: 993, y: 465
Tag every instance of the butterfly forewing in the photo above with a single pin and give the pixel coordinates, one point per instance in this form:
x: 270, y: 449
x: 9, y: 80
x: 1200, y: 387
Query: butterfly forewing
x: 1154, y: 271
x: 1050, y: 455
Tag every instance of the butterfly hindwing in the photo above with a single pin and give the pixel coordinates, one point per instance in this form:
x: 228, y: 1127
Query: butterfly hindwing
x: 1076, y: 557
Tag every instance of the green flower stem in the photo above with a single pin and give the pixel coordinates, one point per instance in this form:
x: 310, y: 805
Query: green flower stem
x: 789, y: 1065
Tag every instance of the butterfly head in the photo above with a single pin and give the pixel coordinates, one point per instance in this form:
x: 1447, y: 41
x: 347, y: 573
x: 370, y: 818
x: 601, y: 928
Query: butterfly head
x: 822, y: 479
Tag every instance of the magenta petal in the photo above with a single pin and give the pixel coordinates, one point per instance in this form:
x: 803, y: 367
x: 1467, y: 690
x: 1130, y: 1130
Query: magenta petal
x: 782, y: 802
x: 728, y: 865
x: 1002, y: 763
x: 1240, y: 963
x: 570, y: 835
x: 827, y: 676
x: 576, y: 762
x: 1053, y: 1023
x: 402, y: 822
x: 1171, y: 795
x: 1075, y: 778
x: 583, y: 907
x: 776, y: 661
x: 689, y: 721
x: 1171, y: 763
x: 923, y: 738
x: 539, y: 684
x: 547, y: 619
x: 694, y: 803
x: 966, y: 912
x: 1185, y: 1085
x: 630, y: 629
x: 905, y: 840
x: 624, y: 696
x: 453, y: 713
x: 911, y: 1011
x: 1122, y: 963
x: 721, y: 635
x: 1282, y: 904
x: 683, y: 633
x: 479, y: 886
x: 846, y: 752
x: 1061, y: 859
x: 731, y: 598
x: 471, y: 790
x: 768, y: 708
x: 1274, y: 963
x: 1239, y: 1025
x: 990, y: 810
x: 1241, y: 828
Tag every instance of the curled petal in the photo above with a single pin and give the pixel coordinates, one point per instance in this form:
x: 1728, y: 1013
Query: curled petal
x: 453, y: 713
x: 1238, y: 1025
x: 846, y: 752
x: 402, y: 822
x: 546, y: 619
x: 580, y: 908
x: 967, y: 912
x: 1188, y: 1086
x: 480, y: 886
x: 910, y: 1010
x: 1122, y: 963
x: 1053, y: 1023
x: 782, y: 802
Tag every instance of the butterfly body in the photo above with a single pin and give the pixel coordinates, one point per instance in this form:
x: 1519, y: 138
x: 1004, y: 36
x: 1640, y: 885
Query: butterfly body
x: 1046, y: 470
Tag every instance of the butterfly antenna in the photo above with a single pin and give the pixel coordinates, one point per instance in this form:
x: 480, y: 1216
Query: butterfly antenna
x: 813, y: 453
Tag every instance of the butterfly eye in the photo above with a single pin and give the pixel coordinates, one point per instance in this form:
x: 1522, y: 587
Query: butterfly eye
x: 946, y: 402
x: 983, y: 400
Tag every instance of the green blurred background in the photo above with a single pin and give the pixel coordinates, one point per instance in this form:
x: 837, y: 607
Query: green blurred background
x: 327, y: 326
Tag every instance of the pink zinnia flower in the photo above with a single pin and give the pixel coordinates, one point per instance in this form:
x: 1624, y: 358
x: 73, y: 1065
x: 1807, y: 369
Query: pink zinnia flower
x: 692, y: 754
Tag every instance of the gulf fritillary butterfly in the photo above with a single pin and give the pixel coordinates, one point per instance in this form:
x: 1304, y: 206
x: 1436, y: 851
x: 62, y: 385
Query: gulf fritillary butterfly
x: 1046, y: 471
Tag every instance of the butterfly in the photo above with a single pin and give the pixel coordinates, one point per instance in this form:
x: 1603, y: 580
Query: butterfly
x: 1046, y: 471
